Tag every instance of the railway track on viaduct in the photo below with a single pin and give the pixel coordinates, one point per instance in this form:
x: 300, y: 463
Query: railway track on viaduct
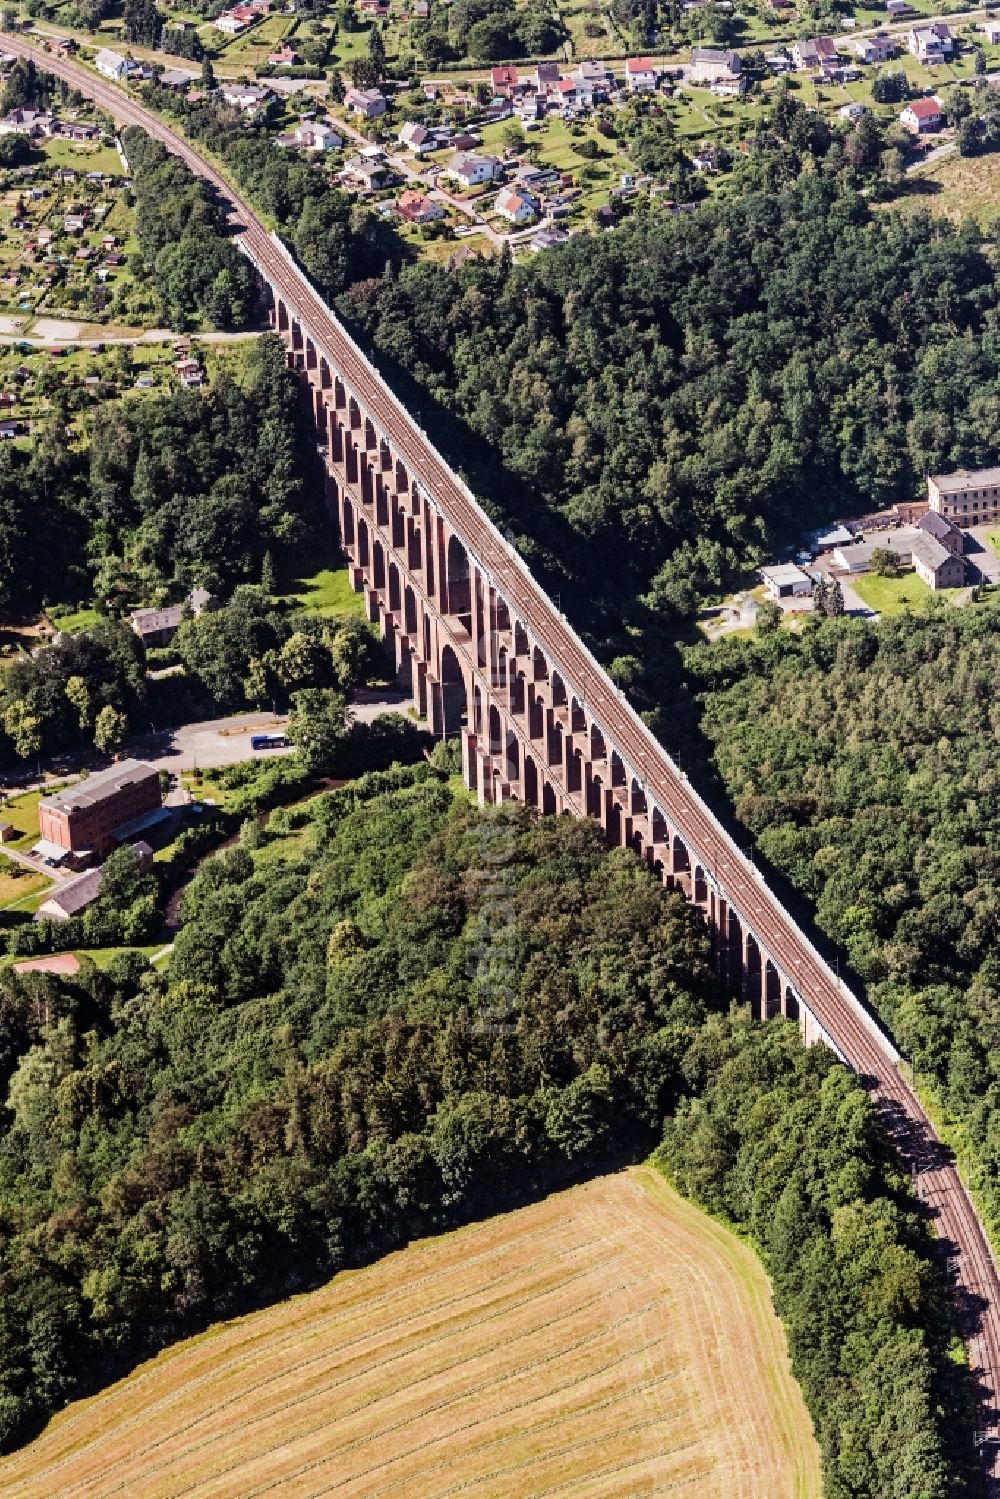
x: 852, y: 1031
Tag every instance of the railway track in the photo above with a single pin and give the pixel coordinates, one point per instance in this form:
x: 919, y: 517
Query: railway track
x: 854, y: 1033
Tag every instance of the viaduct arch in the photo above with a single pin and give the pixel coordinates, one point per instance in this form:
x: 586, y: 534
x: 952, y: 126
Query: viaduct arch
x: 562, y: 719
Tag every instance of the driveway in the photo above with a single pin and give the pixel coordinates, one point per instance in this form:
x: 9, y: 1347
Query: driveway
x: 980, y: 555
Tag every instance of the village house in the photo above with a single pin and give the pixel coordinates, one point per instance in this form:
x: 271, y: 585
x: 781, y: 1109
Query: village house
x: 921, y: 116
x: 912, y: 546
x: 966, y: 497
x: 714, y: 68
x: 895, y: 9
x: 367, y: 171
x: 418, y: 208
x: 515, y: 207
x: 236, y: 20
x: 112, y: 64
x: 367, y: 102
x: 416, y: 137
x: 640, y: 75
x: 810, y: 54
x: 547, y: 77
x: 27, y: 122
x: 853, y: 111
x: 992, y: 30
x: 157, y: 627
x: 504, y: 80
x: 312, y: 135
x: 284, y: 57
x: 931, y: 44
x: 470, y: 170
x: 873, y: 49
x: 593, y: 82
x: 246, y: 97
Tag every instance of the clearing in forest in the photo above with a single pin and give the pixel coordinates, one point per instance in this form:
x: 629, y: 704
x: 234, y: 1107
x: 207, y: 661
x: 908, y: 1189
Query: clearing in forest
x: 610, y: 1340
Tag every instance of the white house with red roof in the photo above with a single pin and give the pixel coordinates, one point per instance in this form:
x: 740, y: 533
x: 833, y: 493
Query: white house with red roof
x: 640, y: 74
x: 921, y: 116
x: 515, y: 207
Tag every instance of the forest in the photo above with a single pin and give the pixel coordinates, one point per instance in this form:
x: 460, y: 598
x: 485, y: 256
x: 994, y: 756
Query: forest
x: 386, y: 1012
x: 194, y: 266
x: 161, y: 492
x: 865, y: 761
x: 652, y: 410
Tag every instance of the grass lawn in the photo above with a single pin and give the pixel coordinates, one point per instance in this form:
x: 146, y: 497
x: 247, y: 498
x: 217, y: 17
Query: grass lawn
x: 895, y: 595
x: 993, y: 537
x: 327, y: 592
x: 20, y: 889
x: 956, y: 187
x: 22, y: 812
x: 70, y: 621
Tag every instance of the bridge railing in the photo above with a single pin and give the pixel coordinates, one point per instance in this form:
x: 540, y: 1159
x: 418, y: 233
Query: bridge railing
x: 656, y: 751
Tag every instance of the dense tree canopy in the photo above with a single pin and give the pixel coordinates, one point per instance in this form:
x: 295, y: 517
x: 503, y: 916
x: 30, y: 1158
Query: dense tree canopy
x: 164, y: 492
x: 865, y: 759
x: 196, y: 269
x: 655, y: 406
x: 388, y: 1011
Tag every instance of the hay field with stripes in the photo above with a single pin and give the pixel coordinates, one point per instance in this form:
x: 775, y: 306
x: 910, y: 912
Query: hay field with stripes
x: 608, y: 1341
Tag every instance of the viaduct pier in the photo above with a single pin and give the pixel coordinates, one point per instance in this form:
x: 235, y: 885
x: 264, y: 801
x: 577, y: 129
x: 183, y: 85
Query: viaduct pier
x: 488, y: 656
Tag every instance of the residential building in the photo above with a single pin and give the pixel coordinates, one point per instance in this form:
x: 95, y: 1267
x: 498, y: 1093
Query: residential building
x: 418, y: 208
x: 367, y: 102
x: 157, y: 627
x: 640, y: 75
x: 967, y: 497
x: 873, y: 49
x: 786, y: 581
x: 912, y: 547
x: 28, y: 122
x: 470, y: 170
x: 992, y: 30
x: 112, y: 64
x: 504, y: 80
x: 711, y: 66
x: 369, y: 171
x: 90, y: 818
x: 515, y: 207
x: 593, y: 82
x: 896, y: 8
x: 175, y: 79
x: 931, y: 44
x: 284, y: 57
x: 943, y: 530
x: 72, y: 898
x: 853, y: 111
x: 810, y: 54
x: 416, y: 138
x: 313, y: 135
x: 246, y: 97
x: 547, y: 77
x: 921, y: 116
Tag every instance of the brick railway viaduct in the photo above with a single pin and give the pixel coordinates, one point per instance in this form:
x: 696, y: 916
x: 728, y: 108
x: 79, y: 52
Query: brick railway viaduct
x: 488, y: 657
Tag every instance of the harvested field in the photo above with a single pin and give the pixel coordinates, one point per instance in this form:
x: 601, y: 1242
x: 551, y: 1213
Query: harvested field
x: 609, y: 1341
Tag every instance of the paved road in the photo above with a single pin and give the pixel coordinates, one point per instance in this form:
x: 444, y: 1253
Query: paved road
x: 855, y: 1034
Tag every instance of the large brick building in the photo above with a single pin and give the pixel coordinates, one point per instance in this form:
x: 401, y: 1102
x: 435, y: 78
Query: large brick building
x: 98, y: 813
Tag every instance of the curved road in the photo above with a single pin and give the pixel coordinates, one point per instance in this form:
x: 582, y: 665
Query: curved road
x: 858, y: 1038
